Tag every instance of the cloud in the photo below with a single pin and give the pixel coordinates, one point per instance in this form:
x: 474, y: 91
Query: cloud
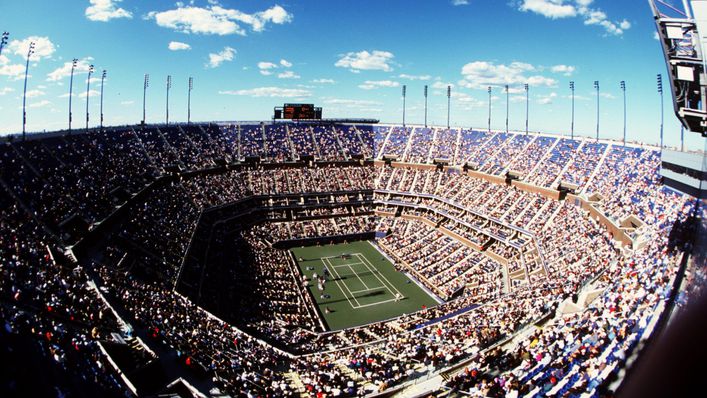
x: 43, y: 47
x: 216, y: 20
x: 105, y: 10
x: 324, y: 81
x: 39, y: 104
x: 285, y: 63
x: 126, y: 103
x: 364, y: 60
x: 273, y: 92
x: 351, y: 103
x: 65, y: 70
x: 481, y: 74
x: 547, y: 99
x: 440, y: 85
x: 557, y: 9
x: 178, y: 46
x: 460, y: 2
x: 374, y: 84
x: 6, y: 90
x: 415, y: 77
x: 553, y: 9
x: 215, y: 60
x: 13, y: 71
x: 91, y: 93
x: 288, y: 75
x: 563, y: 69
x: 35, y: 93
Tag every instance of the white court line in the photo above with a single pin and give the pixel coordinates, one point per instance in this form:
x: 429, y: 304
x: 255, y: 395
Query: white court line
x: 376, y: 273
x: 339, y: 285
x: 363, y: 261
x: 359, y: 278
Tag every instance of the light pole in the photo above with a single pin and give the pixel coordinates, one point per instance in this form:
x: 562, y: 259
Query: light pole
x: 596, y: 86
x: 71, y: 89
x: 103, y: 79
x: 449, y: 104
x: 572, y: 126
x: 489, y: 89
x: 191, y: 87
x: 169, y: 85
x: 623, y: 89
x: 24, y: 95
x: 527, y: 107
x: 425, y: 106
x: 145, y: 85
x: 507, y: 107
x: 660, y: 91
x: 3, y: 40
x: 404, y: 93
x: 88, y: 93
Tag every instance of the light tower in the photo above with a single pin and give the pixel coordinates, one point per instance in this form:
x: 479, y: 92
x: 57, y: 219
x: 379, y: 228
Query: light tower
x: 3, y: 40
x: 404, y: 94
x: 572, y: 126
x: 449, y: 105
x: 425, y: 106
x: 527, y: 107
x: 145, y: 85
x: 103, y: 79
x: 71, y: 89
x: 30, y: 51
x: 596, y: 86
x: 490, y: 90
x: 660, y: 92
x: 169, y: 85
x: 88, y: 85
x: 191, y: 87
x: 623, y: 89
x: 508, y: 97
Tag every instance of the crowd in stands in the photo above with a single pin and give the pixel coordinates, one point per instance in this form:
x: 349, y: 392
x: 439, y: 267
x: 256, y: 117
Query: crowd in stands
x: 502, y: 257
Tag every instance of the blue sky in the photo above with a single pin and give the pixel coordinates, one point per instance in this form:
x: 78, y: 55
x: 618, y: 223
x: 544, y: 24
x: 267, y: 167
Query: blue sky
x: 351, y: 58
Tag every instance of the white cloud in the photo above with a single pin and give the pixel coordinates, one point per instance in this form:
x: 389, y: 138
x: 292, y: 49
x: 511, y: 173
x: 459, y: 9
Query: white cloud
x: 126, y: 103
x: 215, y: 60
x: 216, y: 20
x: 364, y: 60
x: 6, y: 90
x: 351, y: 103
x: 105, y: 10
x: 39, y: 104
x: 288, y: 75
x: 43, y: 47
x: 178, y: 46
x: 374, y: 84
x: 65, y: 70
x: 547, y: 99
x: 556, y: 9
x: 460, y: 2
x: 553, y: 9
x: 13, y: 71
x: 440, y: 85
x: 275, y: 92
x: 656, y: 36
x: 415, y: 77
x: 285, y: 63
x: 324, y: 81
x: 481, y: 74
x: 266, y: 65
x: 91, y: 93
x: 34, y: 93
x: 566, y: 70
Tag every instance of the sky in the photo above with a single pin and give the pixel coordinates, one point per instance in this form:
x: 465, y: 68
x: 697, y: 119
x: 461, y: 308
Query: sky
x: 349, y: 57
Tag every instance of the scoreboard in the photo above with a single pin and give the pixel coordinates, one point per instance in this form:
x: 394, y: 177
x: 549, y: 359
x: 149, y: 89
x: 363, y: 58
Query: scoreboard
x: 298, y: 112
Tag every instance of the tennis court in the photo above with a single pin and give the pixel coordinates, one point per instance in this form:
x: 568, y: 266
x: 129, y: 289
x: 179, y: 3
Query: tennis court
x: 361, y: 285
